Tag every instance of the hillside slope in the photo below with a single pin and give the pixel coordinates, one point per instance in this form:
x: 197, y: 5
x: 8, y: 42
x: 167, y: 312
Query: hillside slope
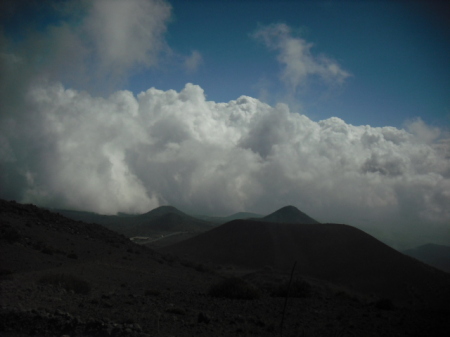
x: 437, y: 256
x: 162, y: 219
x: 337, y: 253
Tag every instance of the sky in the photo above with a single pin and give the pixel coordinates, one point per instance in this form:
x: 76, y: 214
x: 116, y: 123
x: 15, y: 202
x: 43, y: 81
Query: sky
x: 341, y: 109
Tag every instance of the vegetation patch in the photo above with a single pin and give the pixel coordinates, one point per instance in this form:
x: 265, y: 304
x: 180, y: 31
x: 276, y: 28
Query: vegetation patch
x: 299, y: 288
x: 152, y: 292
x: 5, y: 274
x: 67, y: 282
x: 176, y: 311
x: 9, y: 234
x: 347, y: 295
x: 234, y: 288
x: 384, y: 304
x: 72, y: 256
x: 197, y: 266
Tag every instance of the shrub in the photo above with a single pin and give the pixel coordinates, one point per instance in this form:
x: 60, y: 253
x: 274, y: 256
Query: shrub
x: 67, y: 282
x: 152, y: 292
x: 176, y: 311
x: 5, y: 274
x: 384, y: 304
x: 299, y: 288
x: 234, y: 288
x: 197, y: 266
x: 47, y: 250
x: 347, y: 295
x: 10, y: 234
x: 170, y: 259
x: 202, y: 268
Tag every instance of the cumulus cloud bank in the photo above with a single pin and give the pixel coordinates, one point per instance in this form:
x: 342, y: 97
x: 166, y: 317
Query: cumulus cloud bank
x: 131, y: 154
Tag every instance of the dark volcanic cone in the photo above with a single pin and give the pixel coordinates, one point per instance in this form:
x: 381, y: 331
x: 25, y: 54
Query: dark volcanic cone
x: 161, y: 211
x: 164, y: 219
x: 337, y: 253
x: 289, y: 214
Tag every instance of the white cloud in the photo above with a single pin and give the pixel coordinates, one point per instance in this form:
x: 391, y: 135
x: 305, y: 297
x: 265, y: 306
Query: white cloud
x: 125, y: 34
x: 295, y: 55
x: 96, y: 46
x: 127, y: 153
x: 193, y: 61
x: 422, y: 131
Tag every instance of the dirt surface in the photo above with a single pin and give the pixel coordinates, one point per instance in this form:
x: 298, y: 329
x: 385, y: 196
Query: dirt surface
x: 62, y: 277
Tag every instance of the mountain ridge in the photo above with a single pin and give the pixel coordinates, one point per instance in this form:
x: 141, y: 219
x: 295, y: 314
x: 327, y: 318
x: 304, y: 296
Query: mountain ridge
x: 160, y: 219
x: 289, y: 214
x: 336, y: 253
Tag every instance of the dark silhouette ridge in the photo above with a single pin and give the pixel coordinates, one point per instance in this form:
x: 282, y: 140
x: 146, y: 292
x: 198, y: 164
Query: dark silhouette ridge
x: 165, y: 219
x: 161, y: 210
x: 219, y: 220
x: 161, y: 219
x: 336, y: 253
x: 289, y: 214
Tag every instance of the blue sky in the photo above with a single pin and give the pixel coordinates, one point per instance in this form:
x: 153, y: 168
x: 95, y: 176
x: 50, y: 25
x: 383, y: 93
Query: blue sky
x: 397, y: 53
x: 123, y: 106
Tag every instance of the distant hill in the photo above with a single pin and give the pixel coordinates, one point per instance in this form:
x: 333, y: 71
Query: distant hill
x: 336, y: 253
x: 170, y: 219
x: 289, y: 214
x: 219, y: 220
x: 160, y: 211
x: 163, y: 219
x: 435, y: 255
x: 242, y: 216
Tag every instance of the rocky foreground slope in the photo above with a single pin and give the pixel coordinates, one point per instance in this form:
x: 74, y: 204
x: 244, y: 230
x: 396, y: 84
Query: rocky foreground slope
x: 63, y: 277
